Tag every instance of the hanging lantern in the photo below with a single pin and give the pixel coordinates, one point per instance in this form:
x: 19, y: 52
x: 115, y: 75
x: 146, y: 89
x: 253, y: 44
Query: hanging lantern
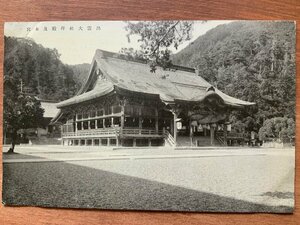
x: 179, y: 125
x: 200, y: 128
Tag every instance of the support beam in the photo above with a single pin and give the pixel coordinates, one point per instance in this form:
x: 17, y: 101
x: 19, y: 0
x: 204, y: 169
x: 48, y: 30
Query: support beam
x: 140, y: 120
x: 175, y: 109
x: 122, y: 116
x: 96, y: 124
x: 175, y: 126
x: 225, y: 134
x: 172, y: 127
x: 134, y: 142
x: 212, y: 135
x: 156, y: 120
x: 191, y: 132
x: 75, y: 127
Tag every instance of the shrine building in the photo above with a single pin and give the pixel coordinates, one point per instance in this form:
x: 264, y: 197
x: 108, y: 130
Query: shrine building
x: 123, y: 103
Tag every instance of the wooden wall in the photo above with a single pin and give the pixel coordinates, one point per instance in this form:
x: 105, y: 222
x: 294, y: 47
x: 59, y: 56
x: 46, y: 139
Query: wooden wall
x: 40, y: 10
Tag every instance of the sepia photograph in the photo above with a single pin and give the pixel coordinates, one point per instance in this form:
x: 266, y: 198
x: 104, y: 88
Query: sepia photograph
x: 188, y: 116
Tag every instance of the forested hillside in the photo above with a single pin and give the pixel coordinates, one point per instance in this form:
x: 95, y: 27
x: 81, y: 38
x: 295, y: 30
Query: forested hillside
x: 81, y: 72
x: 253, y: 61
x: 37, y: 70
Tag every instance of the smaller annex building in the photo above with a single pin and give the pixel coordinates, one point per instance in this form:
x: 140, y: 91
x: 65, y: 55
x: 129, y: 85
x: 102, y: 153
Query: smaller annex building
x: 123, y: 104
x: 46, y: 133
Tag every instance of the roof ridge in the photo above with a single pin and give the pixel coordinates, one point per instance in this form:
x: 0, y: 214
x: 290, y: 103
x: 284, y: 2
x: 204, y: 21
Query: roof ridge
x: 106, y: 54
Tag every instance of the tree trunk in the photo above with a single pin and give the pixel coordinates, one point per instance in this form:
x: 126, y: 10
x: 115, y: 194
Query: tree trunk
x: 13, y: 142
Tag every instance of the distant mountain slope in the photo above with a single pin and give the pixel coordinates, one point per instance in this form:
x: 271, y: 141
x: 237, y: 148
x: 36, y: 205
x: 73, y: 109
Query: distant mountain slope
x: 81, y: 73
x: 40, y: 71
x: 250, y: 60
x: 37, y: 70
x: 223, y: 34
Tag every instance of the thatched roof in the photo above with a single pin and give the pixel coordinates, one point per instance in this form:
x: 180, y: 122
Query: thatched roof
x: 175, y: 84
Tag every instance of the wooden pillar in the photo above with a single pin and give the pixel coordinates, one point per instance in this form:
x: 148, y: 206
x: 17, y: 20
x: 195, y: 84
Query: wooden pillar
x: 75, y: 124
x: 122, y: 124
x: 122, y: 116
x: 225, y: 134
x: 134, y: 142
x: 104, y: 123
x: 89, y: 124
x: 140, y: 120
x: 212, y: 135
x: 175, y: 126
x: 172, y: 127
x: 112, y: 122
x: 191, y: 132
x: 156, y: 120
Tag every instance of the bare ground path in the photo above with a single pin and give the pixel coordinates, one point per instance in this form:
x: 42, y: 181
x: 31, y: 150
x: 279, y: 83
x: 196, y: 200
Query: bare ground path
x: 236, y: 180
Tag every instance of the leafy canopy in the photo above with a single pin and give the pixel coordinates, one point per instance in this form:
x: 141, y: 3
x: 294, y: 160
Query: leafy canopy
x: 278, y: 127
x: 253, y: 61
x: 157, y: 37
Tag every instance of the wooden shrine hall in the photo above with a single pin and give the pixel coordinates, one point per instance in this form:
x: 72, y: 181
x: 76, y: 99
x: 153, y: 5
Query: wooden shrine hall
x: 122, y: 103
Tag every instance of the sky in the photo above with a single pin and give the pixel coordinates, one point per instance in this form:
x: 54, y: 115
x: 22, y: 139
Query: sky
x: 77, y: 41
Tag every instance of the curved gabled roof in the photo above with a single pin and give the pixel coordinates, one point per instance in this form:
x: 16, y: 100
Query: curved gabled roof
x: 177, y: 83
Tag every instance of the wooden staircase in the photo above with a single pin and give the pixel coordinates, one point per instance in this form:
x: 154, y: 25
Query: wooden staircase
x: 169, y: 140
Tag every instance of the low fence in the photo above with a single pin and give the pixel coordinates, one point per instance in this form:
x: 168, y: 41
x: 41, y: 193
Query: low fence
x: 114, y: 131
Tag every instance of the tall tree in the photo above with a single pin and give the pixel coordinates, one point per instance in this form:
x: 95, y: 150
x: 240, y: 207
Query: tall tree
x: 157, y: 37
x: 31, y: 72
x: 20, y: 111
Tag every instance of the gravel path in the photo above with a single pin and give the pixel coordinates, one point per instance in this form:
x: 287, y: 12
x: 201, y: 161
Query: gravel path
x: 262, y: 183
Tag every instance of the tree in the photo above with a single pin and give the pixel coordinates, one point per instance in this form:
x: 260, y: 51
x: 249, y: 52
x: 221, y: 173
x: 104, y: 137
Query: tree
x: 252, y: 61
x: 41, y: 71
x: 157, y: 37
x: 20, y: 111
x: 279, y: 127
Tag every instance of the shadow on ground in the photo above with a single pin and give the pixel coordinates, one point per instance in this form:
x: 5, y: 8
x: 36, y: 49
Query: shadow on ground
x: 60, y: 184
x: 279, y: 194
x: 16, y: 155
